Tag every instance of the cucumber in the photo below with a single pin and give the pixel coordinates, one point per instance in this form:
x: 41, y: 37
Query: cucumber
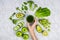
x: 38, y: 28
x: 19, y: 34
x: 16, y: 28
x: 25, y: 36
x: 24, y: 29
x: 20, y: 24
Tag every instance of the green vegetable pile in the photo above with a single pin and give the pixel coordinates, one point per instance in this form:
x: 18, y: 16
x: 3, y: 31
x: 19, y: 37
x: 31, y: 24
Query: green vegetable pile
x: 41, y: 14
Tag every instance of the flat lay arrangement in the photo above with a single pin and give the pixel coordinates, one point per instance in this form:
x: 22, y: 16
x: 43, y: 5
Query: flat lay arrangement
x: 39, y: 20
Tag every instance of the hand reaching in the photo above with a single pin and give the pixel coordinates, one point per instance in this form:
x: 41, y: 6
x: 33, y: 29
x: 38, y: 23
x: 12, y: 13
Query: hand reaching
x: 31, y: 29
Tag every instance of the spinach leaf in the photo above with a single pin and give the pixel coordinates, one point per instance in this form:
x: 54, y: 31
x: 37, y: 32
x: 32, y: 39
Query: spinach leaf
x: 42, y: 12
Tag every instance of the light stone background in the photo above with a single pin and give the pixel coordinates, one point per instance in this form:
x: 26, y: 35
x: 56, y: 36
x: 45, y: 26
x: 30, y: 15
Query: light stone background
x: 7, y: 7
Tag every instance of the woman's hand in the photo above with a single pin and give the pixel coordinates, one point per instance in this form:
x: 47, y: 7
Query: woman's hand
x: 33, y: 25
x: 31, y: 29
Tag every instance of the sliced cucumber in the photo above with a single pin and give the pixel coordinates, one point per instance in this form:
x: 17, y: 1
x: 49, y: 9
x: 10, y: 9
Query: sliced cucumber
x: 24, y: 29
x: 19, y: 34
x: 25, y: 36
x: 45, y: 33
x: 16, y: 28
x: 20, y: 24
x: 38, y: 28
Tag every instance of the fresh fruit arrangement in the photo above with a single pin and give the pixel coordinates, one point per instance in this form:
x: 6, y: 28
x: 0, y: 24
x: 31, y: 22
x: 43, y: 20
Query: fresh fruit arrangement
x: 41, y: 14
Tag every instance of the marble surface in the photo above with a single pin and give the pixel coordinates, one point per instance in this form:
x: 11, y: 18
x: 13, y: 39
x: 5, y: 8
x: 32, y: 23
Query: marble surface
x: 7, y: 7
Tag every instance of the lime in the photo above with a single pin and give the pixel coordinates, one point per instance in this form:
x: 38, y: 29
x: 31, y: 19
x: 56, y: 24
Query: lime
x: 24, y: 29
x: 19, y: 33
x: 25, y: 36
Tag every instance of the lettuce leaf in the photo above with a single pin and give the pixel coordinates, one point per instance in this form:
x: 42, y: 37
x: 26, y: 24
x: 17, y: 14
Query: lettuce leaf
x: 42, y: 12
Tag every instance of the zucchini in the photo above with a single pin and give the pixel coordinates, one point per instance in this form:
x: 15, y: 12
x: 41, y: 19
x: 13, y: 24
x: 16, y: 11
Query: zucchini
x: 19, y: 34
x: 25, y: 36
x: 24, y: 29
x: 38, y: 28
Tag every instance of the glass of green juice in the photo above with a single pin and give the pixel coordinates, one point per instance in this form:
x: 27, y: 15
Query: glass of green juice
x: 30, y: 19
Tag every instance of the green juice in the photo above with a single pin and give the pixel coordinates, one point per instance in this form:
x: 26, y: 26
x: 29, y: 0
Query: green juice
x: 30, y: 19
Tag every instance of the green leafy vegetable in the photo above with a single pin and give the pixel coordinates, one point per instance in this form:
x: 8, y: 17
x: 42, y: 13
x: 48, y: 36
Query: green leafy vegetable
x: 25, y: 3
x: 30, y: 4
x: 24, y: 7
x: 42, y: 12
x: 35, y: 6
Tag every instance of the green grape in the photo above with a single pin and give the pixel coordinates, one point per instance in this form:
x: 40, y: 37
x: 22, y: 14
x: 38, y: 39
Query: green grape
x: 19, y: 34
x: 45, y: 23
